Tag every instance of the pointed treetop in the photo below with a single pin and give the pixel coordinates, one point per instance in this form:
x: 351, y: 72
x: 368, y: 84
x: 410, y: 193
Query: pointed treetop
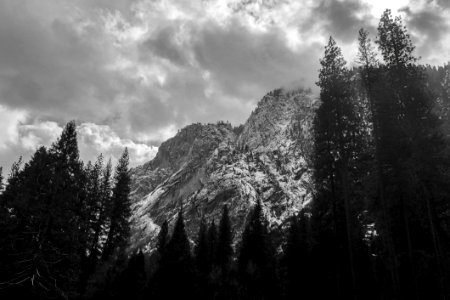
x: 162, y: 237
x: 124, y: 161
x: 367, y: 56
x: 224, y: 247
x: 333, y: 65
x: 394, y: 41
x: 1, y: 179
x: 67, y: 144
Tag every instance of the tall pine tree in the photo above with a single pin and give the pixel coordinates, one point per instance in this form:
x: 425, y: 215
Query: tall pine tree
x: 119, y: 229
x: 414, y: 157
x: 256, y: 261
x: 176, y: 265
x: 338, y: 151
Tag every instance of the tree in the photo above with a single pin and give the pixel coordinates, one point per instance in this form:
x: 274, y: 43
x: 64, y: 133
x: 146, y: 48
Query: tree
x: 224, y: 243
x: 162, y: 237
x: 338, y: 152
x: 2, y: 186
x: 131, y: 281
x: 296, y: 260
x: 376, y: 90
x: 212, y: 243
x: 202, y: 260
x: 224, y: 276
x: 120, y: 213
x: 45, y: 221
x: 103, y: 207
x: 176, y: 265
x: 414, y: 160
x: 202, y: 252
x: 256, y: 263
x: 97, y: 208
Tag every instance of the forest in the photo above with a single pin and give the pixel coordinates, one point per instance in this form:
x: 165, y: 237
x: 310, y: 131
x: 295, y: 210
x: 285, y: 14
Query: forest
x: 378, y: 226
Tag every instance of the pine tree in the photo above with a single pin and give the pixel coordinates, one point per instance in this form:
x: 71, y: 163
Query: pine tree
x: 100, y: 223
x: 212, y: 243
x: 224, y: 243
x: 176, y: 265
x: 202, y: 252
x: 375, y: 88
x: 98, y: 195
x: 120, y: 213
x: 256, y: 263
x: 338, y: 151
x: 296, y: 260
x: 162, y: 237
x: 44, y: 200
x: 130, y: 283
x: 224, y: 276
x: 412, y: 153
x: 202, y: 260
x: 2, y: 185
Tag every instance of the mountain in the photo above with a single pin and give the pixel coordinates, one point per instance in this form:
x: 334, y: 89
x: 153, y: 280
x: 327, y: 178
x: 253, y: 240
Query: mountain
x: 204, y: 167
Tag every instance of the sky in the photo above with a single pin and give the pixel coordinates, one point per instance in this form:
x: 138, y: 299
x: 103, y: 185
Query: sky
x: 131, y: 73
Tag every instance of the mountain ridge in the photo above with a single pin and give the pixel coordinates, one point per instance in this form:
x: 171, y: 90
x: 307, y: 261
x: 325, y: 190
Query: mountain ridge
x: 206, y: 166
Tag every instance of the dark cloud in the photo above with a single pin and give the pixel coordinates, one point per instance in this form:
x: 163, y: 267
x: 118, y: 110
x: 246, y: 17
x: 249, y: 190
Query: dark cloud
x: 442, y: 3
x: 49, y: 68
x: 340, y: 18
x: 246, y: 64
x: 163, y: 45
x: 220, y: 71
x: 428, y: 26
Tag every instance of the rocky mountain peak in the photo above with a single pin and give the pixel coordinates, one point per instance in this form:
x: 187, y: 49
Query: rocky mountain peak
x: 277, y: 121
x: 204, y: 167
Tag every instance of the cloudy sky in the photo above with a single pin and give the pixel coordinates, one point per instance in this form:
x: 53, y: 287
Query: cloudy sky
x: 132, y: 72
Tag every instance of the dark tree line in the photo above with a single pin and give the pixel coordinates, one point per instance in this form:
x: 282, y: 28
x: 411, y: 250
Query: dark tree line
x: 381, y: 170
x: 60, y: 221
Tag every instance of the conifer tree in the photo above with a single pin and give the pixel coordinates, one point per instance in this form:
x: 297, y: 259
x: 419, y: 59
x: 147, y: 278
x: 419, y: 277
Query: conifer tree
x: 224, y: 243
x: 296, y: 260
x: 202, y: 252
x: 2, y: 185
x: 45, y: 198
x: 227, y: 287
x: 98, y: 191
x: 103, y: 208
x: 412, y: 153
x: 162, y: 237
x: 176, y: 265
x: 202, y: 260
x: 130, y: 282
x: 256, y: 263
x: 120, y: 213
x: 212, y: 243
x: 338, y: 150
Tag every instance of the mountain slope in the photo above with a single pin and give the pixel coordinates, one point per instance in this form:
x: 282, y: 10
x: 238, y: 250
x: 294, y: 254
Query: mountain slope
x: 205, y: 167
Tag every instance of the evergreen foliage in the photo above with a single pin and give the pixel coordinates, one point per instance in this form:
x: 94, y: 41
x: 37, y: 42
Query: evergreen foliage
x: 119, y: 228
x: 256, y: 263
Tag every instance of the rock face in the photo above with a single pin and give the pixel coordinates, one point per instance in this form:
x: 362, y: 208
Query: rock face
x: 205, y: 167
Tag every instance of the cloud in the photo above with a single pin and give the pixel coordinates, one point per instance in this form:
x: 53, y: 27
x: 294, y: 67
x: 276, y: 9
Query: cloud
x: 95, y: 139
x: 21, y: 139
x: 39, y: 134
x: 138, y: 70
x: 442, y: 3
x: 429, y: 26
x: 341, y: 18
x: 9, y: 121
